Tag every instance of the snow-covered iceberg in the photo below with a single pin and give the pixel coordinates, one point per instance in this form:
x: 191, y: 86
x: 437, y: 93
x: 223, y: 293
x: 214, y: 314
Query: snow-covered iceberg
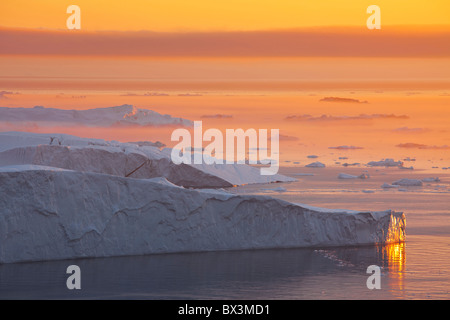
x: 385, y: 163
x: 316, y: 164
x: 49, y: 213
x: 408, y: 182
x: 350, y: 176
x: 124, y: 115
x: 431, y: 179
x: 122, y: 159
x: 388, y: 186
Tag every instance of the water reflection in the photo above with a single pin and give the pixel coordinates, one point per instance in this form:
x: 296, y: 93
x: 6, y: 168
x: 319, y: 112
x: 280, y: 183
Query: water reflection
x: 393, y: 256
x: 259, y: 274
x: 394, y: 259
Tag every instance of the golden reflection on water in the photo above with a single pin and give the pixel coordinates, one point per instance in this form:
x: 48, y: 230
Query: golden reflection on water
x: 394, y: 260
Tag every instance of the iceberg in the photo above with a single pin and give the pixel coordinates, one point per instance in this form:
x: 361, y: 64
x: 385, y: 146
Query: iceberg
x: 49, y: 213
x: 350, y: 176
x: 122, y: 159
x: 316, y: 164
x: 124, y: 115
x: 385, y: 163
x: 388, y: 186
x: 346, y: 176
x: 408, y: 182
x: 431, y: 179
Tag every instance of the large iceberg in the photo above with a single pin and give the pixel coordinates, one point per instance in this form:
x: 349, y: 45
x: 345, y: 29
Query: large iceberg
x: 51, y: 213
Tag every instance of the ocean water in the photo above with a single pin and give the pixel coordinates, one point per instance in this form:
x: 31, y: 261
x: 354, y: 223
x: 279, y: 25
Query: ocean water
x: 416, y: 269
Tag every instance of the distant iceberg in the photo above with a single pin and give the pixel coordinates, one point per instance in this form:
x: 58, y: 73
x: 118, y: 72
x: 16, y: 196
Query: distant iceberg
x: 350, y: 176
x: 124, y: 115
x: 385, y: 163
x: 316, y: 164
x: 408, y: 182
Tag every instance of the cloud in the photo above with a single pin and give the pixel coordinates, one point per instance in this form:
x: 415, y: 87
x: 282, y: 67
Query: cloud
x: 3, y: 94
x: 217, y: 116
x: 311, y: 42
x: 189, y: 95
x: 324, y: 117
x: 148, y: 94
x: 346, y: 148
x: 411, y: 145
x: 410, y: 130
x: 337, y: 99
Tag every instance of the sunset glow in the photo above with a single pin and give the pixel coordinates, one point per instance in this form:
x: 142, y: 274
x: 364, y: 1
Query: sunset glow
x: 205, y: 15
x: 260, y: 62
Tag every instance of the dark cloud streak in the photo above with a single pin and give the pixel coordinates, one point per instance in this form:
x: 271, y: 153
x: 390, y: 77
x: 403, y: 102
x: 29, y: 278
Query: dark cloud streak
x: 343, y: 42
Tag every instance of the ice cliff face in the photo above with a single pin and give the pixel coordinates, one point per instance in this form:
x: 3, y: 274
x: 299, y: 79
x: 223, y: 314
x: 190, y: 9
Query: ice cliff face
x: 48, y: 213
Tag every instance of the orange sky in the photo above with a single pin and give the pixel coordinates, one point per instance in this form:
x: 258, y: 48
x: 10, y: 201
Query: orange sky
x: 208, y: 15
x: 258, y: 60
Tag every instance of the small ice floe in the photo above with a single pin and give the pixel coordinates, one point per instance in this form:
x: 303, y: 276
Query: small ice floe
x: 312, y: 156
x: 343, y: 158
x: 316, y: 164
x: 346, y: 176
x: 388, y: 186
x: 296, y: 162
x: 408, y: 182
x: 385, y: 163
x: 409, y: 159
x: 431, y: 179
x: 406, y: 168
x: 402, y: 189
x: 367, y: 191
x: 351, y: 164
x: 350, y: 176
x: 445, y: 168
